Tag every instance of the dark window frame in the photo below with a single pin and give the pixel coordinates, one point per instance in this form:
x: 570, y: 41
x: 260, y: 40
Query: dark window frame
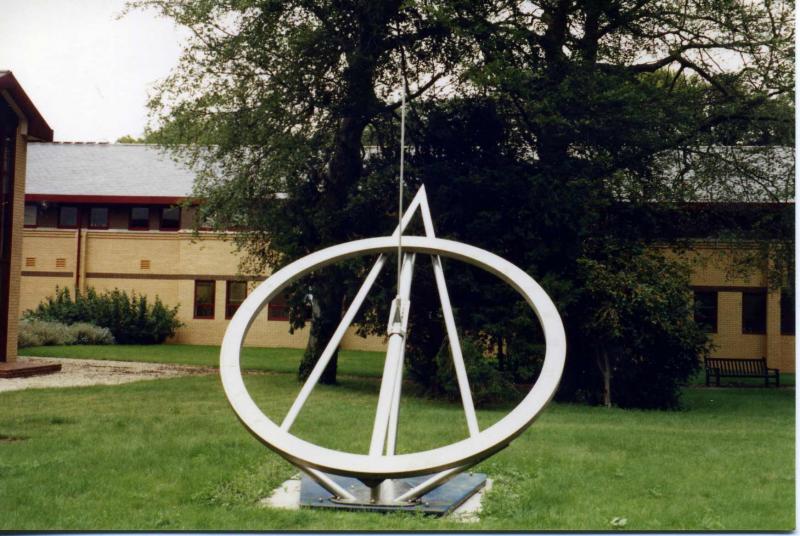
x: 36, y: 215
x: 715, y: 325
x: 161, y: 225
x: 228, y: 303
x: 108, y: 218
x: 787, y: 320
x: 278, y: 311
x: 758, y: 330
x: 133, y: 227
x: 213, y: 304
x: 77, y: 217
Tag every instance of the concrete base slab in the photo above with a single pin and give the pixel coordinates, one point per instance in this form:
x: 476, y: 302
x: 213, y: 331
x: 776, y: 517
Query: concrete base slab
x: 287, y: 496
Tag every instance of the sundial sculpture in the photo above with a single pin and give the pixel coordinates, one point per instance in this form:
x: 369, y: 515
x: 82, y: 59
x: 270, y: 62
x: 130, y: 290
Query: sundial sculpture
x: 434, y: 480
x: 380, y: 469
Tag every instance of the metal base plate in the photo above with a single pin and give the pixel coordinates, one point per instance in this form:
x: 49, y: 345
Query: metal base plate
x: 439, y: 501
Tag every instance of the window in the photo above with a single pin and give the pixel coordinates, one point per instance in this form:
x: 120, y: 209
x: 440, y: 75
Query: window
x: 787, y: 312
x: 171, y: 218
x: 278, y: 308
x: 754, y: 312
x: 98, y: 218
x: 204, y: 299
x: 68, y: 217
x: 140, y: 218
x: 705, y: 310
x: 31, y: 215
x: 235, y: 293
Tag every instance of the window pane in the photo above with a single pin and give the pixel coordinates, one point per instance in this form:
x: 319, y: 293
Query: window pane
x: 98, y: 217
x: 68, y: 217
x: 171, y: 218
x: 140, y: 217
x: 787, y: 312
x: 31, y: 214
x: 705, y: 310
x: 754, y: 312
x: 278, y: 308
x: 237, y: 292
x: 204, y: 299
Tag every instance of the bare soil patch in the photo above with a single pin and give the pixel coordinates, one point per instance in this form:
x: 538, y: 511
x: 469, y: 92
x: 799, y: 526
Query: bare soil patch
x: 83, y: 372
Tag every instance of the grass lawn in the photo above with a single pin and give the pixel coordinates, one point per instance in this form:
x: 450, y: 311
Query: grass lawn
x: 271, y: 359
x: 169, y: 454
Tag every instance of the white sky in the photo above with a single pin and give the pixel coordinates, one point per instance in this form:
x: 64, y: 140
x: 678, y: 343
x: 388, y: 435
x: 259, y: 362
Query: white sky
x: 85, y: 70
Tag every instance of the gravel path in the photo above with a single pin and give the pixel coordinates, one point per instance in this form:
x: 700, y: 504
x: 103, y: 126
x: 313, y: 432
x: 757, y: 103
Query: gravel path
x: 82, y: 372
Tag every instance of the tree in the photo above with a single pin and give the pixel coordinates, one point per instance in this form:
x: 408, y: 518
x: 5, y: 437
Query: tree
x: 600, y: 95
x: 272, y: 100
x: 640, y: 332
x: 582, y: 104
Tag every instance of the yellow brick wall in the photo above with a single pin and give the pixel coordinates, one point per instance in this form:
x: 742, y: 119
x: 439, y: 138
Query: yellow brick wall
x: 787, y: 360
x: 18, y: 218
x: 179, y: 257
x: 729, y: 339
x: 183, y: 256
x: 711, y: 267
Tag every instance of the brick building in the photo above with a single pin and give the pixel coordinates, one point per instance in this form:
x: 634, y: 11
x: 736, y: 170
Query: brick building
x: 105, y: 216
x: 20, y: 122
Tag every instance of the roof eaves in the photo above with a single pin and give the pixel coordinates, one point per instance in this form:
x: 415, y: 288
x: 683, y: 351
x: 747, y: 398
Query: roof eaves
x: 37, y: 126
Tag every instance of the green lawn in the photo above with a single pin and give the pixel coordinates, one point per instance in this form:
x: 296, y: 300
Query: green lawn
x: 271, y: 359
x: 169, y: 454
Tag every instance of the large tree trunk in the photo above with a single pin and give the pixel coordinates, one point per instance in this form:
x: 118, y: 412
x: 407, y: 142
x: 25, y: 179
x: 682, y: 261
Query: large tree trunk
x: 326, y: 312
x: 345, y: 168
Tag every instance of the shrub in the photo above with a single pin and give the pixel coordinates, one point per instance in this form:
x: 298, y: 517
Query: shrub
x: 85, y: 333
x: 486, y: 382
x: 131, y: 319
x: 43, y: 333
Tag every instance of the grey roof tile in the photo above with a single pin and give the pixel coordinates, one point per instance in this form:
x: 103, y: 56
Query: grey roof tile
x: 105, y: 170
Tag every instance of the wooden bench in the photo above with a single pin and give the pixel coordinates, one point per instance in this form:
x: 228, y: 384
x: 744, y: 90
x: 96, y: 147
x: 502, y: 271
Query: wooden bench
x: 718, y: 367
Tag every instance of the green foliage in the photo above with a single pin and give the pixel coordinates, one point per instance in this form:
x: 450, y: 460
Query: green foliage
x: 131, y: 319
x: 639, y: 328
x: 560, y: 126
x: 86, y: 333
x: 272, y: 101
x: 487, y: 384
x: 43, y: 333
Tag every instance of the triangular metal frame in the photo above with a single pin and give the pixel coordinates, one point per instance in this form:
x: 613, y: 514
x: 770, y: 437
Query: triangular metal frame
x: 384, y: 435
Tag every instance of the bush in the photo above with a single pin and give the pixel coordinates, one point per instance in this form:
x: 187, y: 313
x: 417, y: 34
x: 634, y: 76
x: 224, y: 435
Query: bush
x: 131, y: 319
x: 85, y: 333
x: 43, y: 333
x: 643, y: 343
x: 486, y: 382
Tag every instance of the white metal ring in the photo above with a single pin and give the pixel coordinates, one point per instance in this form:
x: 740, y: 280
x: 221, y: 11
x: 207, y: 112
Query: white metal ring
x: 463, y: 452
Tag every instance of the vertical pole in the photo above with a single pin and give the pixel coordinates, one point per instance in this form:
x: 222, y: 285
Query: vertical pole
x: 398, y: 321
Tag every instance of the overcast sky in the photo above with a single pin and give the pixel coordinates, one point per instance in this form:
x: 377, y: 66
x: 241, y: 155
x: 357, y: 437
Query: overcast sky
x: 86, y: 71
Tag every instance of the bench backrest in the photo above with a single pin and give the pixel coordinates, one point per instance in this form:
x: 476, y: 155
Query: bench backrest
x: 737, y: 367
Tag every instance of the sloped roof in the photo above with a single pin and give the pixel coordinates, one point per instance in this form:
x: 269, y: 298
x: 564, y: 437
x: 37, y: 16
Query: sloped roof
x: 731, y: 174
x: 104, y: 170
x: 120, y: 173
x: 37, y: 126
